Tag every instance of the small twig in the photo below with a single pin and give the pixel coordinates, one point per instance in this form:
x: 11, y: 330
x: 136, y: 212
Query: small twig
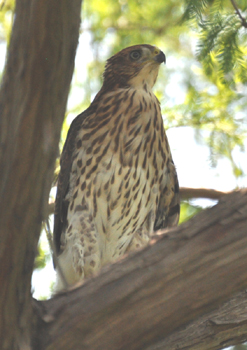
x: 51, y: 208
x: 243, y: 20
x: 55, y: 259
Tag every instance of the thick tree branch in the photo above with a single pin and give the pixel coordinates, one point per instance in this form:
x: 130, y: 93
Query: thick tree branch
x: 225, y: 326
x: 33, y: 99
x: 139, y: 302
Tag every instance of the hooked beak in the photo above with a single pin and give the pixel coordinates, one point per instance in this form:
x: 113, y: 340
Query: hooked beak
x: 160, y: 57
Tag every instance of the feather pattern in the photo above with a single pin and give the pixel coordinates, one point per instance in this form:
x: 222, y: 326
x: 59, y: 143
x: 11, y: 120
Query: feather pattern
x: 117, y: 182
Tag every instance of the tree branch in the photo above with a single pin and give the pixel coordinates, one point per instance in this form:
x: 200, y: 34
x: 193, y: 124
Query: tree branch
x: 224, y: 327
x: 138, y: 302
x: 189, y: 193
x: 243, y: 20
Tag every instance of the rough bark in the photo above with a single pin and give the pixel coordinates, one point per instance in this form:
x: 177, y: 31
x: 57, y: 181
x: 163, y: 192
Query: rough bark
x: 33, y: 99
x: 140, y: 302
x: 225, y: 326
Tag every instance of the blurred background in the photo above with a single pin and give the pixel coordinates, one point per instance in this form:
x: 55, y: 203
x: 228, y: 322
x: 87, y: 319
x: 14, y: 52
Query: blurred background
x: 202, y: 89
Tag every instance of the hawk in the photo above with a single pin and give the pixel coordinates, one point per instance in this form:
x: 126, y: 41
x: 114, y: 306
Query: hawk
x: 117, y: 183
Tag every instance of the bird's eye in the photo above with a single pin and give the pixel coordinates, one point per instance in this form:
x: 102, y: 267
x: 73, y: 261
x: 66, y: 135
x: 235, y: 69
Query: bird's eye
x: 135, y: 55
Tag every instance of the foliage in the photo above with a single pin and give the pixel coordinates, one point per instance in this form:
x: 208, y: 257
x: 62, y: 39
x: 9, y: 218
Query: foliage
x: 188, y: 210
x: 222, y: 32
x: 6, y: 19
x: 43, y: 255
x: 209, y: 32
x: 222, y: 36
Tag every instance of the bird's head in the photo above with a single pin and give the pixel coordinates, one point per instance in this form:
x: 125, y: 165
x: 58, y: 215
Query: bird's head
x: 135, y: 66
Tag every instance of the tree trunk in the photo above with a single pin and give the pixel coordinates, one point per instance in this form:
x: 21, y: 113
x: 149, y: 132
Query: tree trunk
x: 32, y: 102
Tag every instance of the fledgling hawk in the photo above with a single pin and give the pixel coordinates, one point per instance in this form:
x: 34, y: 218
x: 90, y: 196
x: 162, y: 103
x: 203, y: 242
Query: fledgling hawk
x: 117, y: 183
